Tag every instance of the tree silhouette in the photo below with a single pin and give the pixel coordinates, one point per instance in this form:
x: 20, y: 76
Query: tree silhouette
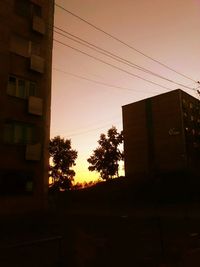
x: 106, y: 156
x: 62, y: 158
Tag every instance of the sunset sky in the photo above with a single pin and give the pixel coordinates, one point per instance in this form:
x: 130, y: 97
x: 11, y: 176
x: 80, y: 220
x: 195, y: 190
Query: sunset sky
x: 87, y: 95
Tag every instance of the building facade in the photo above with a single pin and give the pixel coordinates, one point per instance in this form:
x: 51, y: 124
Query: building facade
x: 162, y: 134
x: 26, y: 37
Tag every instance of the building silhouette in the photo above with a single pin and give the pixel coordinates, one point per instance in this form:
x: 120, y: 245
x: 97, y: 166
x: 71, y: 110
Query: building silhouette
x: 162, y: 135
x: 26, y: 37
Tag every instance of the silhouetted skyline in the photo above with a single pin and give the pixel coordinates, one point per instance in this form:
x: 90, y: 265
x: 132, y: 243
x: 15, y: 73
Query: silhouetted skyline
x: 87, y: 94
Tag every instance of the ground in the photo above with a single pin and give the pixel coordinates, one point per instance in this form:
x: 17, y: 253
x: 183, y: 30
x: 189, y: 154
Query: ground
x: 82, y: 230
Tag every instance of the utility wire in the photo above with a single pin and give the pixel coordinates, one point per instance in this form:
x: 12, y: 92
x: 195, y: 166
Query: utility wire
x: 92, y: 46
x: 115, y: 57
x: 113, y: 66
x: 91, y: 130
x: 122, y: 42
x: 101, y: 124
x: 101, y: 83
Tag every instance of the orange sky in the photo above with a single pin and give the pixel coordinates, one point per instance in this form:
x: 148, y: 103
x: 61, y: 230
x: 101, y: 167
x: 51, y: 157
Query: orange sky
x: 81, y: 109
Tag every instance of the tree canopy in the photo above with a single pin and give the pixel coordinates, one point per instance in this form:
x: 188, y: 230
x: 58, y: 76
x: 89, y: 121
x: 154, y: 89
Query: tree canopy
x: 105, y: 158
x: 62, y: 158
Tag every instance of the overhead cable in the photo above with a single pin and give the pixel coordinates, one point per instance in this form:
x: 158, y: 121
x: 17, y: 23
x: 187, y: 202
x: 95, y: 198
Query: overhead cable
x: 116, y: 57
x: 122, y: 42
x: 101, y: 83
x: 91, y: 130
x: 113, y: 66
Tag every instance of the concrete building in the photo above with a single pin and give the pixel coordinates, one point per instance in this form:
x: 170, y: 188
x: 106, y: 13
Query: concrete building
x: 162, y: 135
x: 26, y: 37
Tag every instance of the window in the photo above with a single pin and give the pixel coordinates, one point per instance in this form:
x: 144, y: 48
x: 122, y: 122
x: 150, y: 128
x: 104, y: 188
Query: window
x: 36, y: 10
x: 18, y: 133
x: 22, y: 8
x: 33, y: 152
x: 16, y: 182
x: 191, y: 105
x: 24, y: 47
x: 20, y: 87
x: 21, y: 92
x: 184, y: 103
x: 35, y: 49
x: 12, y: 85
x: 20, y: 46
x: 32, y: 89
x: 26, y: 9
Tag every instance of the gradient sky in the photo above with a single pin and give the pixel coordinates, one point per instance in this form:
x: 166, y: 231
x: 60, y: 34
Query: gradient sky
x: 167, y: 31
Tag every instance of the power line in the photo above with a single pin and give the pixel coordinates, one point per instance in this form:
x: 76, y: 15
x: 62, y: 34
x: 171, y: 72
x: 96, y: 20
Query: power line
x: 116, y: 57
x: 101, y: 49
x: 113, y: 66
x: 98, y: 82
x: 122, y: 42
x: 91, y: 130
x: 105, y: 52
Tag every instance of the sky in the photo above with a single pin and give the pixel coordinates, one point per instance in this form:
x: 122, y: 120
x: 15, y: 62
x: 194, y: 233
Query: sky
x: 87, y: 94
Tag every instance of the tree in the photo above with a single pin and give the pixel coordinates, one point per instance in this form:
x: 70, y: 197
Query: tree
x: 105, y: 158
x: 62, y: 158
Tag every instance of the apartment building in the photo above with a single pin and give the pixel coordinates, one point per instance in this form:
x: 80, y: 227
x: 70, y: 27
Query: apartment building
x: 162, y: 135
x: 26, y: 37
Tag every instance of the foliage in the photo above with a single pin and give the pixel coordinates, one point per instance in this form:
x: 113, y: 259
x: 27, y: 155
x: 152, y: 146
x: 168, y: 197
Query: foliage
x: 82, y: 185
x: 63, y: 158
x: 106, y: 156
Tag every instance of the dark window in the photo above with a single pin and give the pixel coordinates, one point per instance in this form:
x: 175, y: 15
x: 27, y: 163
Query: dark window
x: 21, y: 92
x: 16, y: 183
x: 18, y: 133
x: 24, y: 47
x: 35, y: 49
x: 22, y: 8
x: 12, y: 85
x: 32, y: 89
x: 37, y: 10
x: 25, y: 8
x: 20, y: 87
x: 20, y: 45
